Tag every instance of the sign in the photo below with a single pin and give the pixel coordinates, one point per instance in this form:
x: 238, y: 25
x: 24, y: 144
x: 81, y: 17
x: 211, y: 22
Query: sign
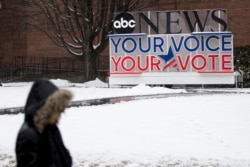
x: 171, y: 22
x: 181, y: 58
x: 124, y: 23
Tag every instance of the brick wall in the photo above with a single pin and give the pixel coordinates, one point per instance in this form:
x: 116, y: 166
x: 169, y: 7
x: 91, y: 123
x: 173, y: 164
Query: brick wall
x: 16, y: 41
x: 12, y: 32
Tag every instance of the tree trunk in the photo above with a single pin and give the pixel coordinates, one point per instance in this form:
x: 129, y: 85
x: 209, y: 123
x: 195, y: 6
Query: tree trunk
x: 90, y: 67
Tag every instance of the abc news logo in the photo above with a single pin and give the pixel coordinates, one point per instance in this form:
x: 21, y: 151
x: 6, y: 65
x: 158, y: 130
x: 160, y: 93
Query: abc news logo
x: 124, y: 23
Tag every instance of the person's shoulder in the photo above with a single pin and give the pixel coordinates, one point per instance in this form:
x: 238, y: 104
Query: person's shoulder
x: 28, y: 133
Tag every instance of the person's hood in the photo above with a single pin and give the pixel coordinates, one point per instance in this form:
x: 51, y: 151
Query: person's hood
x: 44, y: 99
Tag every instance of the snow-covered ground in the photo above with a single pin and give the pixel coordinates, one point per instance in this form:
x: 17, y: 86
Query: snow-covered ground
x: 196, y: 131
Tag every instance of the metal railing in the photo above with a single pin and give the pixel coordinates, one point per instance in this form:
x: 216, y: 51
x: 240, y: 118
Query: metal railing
x: 22, y: 66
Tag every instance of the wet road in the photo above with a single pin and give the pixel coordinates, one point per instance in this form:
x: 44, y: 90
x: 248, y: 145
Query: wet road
x: 113, y: 100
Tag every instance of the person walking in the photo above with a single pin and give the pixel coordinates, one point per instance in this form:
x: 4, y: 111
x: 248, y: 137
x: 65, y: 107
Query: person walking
x: 39, y: 142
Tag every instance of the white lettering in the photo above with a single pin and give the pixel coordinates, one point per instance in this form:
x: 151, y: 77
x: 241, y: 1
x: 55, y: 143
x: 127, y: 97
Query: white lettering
x: 124, y: 23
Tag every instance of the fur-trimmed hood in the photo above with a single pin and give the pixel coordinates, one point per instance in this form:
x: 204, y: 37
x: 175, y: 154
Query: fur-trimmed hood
x: 43, y: 100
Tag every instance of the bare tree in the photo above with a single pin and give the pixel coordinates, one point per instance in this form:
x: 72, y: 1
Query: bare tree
x: 81, y: 26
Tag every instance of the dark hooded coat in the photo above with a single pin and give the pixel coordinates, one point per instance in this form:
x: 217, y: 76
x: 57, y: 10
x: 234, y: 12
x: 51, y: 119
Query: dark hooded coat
x: 38, y: 143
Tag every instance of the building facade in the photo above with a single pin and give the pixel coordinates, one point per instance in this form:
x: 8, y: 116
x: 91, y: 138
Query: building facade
x: 19, y: 45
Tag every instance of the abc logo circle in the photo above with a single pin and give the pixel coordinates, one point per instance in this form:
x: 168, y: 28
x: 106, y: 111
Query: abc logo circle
x: 124, y: 23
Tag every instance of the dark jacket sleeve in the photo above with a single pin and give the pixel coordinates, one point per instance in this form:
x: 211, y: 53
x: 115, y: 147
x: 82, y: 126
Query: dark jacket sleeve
x: 59, y: 153
x: 26, y: 147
